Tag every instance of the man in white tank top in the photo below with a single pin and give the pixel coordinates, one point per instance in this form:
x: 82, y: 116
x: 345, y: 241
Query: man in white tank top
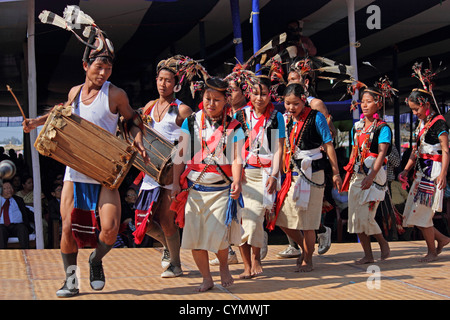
x: 167, y: 114
x: 100, y: 102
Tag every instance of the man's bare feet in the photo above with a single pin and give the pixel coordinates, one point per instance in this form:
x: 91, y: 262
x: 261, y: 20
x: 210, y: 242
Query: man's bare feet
x: 206, y: 285
x: 364, y: 260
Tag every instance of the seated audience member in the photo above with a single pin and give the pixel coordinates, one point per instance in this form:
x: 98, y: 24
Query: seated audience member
x: 54, y: 214
x: 14, y: 218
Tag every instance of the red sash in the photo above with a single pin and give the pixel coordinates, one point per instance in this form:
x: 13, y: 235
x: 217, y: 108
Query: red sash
x: 434, y: 157
x: 281, y: 195
x: 364, y: 154
x: 426, y: 127
x: 179, y: 204
x: 261, y: 122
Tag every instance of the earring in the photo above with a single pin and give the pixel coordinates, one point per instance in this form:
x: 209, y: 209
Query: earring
x: 427, y: 113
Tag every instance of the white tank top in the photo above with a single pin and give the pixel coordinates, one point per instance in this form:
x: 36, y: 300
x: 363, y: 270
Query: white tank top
x: 169, y: 129
x: 97, y: 112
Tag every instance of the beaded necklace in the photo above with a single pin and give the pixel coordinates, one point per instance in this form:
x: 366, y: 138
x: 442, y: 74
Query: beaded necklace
x: 295, y: 136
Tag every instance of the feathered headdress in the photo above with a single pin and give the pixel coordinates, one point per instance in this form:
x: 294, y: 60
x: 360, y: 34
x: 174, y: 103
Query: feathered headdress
x: 272, y: 72
x: 97, y: 43
x: 384, y: 85
x: 245, y: 79
x: 185, y: 69
x: 353, y: 86
x: 426, y: 77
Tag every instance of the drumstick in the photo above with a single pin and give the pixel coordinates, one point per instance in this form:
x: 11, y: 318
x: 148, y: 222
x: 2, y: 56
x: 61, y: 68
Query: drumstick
x: 17, y: 101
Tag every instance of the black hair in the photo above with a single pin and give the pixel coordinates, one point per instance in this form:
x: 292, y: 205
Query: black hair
x: 55, y: 186
x: 103, y: 59
x: 218, y: 84
x: 296, y: 89
x: 374, y: 92
x: 420, y: 96
x: 171, y: 71
x: 25, y: 177
x: 265, y: 80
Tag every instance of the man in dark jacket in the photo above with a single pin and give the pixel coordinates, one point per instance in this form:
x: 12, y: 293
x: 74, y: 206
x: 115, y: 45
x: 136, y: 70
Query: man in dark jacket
x: 14, y: 218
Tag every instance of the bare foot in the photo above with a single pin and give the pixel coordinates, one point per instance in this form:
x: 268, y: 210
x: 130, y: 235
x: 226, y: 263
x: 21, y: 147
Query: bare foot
x: 306, y: 267
x: 257, y: 269
x: 364, y: 260
x: 299, y: 263
x: 429, y: 257
x: 441, y: 245
x: 206, y: 285
x: 245, y: 275
x: 226, y: 278
x: 385, y: 251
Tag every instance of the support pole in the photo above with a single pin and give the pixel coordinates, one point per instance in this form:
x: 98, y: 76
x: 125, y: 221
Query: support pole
x: 236, y: 18
x: 352, y: 48
x: 32, y: 101
x: 396, y: 102
x: 254, y: 19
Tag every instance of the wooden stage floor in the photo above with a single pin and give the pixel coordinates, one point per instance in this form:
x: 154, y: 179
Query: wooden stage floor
x: 134, y: 274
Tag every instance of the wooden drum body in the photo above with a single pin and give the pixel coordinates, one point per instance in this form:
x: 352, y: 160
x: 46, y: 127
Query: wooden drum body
x: 85, y: 147
x: 160, y: 152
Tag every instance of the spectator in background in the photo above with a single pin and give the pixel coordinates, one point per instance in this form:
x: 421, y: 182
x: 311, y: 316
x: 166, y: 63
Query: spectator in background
x: 16, y: 182
x: 3, y: 156
x: 294, y: 37
x: 26, y: 193
x: 54, y: 213
x: 14, y: 218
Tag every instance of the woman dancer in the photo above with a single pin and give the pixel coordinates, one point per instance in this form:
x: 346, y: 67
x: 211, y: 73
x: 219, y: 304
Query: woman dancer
x: 366, y: 174
x: 265, y: 133
x: 299, y: 202
x: 207, y: 182
x: 430, y: 162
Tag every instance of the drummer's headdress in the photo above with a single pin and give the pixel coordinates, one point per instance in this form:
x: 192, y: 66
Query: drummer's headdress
x: 97, y: 43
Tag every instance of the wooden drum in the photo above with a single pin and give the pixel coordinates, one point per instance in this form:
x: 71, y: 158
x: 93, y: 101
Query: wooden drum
x: 160, y: 152
x: 85, y: 147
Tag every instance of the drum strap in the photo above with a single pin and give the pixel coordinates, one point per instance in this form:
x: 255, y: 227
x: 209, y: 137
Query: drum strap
x: 76, y: 98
